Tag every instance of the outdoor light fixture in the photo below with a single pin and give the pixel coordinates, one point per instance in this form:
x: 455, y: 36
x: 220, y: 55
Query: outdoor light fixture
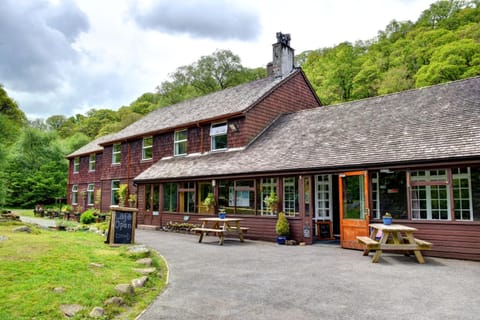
x: 233, y: 127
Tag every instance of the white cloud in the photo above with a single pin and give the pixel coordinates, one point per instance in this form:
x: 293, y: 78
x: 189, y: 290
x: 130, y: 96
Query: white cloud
x: 66, y: 57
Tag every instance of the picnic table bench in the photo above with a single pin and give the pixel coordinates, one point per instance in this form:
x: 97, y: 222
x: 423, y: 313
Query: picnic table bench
x: 220, y: 227
x: 391, y: 239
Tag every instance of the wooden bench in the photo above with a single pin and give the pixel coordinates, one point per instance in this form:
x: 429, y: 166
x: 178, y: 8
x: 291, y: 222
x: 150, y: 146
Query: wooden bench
x: 220, y: 233
x: 244, y: 229
x: 424, y: 245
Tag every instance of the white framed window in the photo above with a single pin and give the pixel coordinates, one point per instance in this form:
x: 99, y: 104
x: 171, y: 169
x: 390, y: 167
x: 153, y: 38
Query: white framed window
x: 114, y: 195
x: 147, y: 148
x: 90, y: 194
x: 76, y: 165
x: 218, y: 134
x: 74, y: 194
x: 180, y: 142
x: 323, y: 197
x: 430, y: 195
x: 290, y: 195
x: 92, y: 162
x: 462, y: 194
x: 116, y: 153
x: 267, y: 185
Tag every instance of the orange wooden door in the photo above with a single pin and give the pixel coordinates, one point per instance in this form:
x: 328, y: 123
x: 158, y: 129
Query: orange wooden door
x: 354, y: 212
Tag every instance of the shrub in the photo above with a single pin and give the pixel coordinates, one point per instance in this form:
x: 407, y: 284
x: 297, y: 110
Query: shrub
x: 87, y: 217
x: 282, y: 227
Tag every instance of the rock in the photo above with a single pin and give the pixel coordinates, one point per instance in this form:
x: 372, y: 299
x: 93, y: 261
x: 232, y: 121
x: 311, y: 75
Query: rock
x: 3, y: 238
x: 145, y: 261
x: 118, y: 301
x: 96, y: 265
x: 59, y: 290
x: 70, y: 309
x: 23, y: 229
x: 140, y: 282
x: 145, y: 271
x: 97, y: 312
x: 138, y: 249
x: 125, y: 289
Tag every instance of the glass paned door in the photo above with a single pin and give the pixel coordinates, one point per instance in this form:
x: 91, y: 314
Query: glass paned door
x: 354, y: 208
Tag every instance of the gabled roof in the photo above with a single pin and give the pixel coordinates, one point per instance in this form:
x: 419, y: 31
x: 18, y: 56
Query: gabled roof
x: 227, y: 102
x: 431, y: 124
x: 91, y: 147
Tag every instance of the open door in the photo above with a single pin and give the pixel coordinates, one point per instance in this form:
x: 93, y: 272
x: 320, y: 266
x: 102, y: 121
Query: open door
x: 354, y: 212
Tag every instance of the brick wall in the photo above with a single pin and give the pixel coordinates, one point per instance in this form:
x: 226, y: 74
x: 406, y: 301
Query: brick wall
x: 293, y: 95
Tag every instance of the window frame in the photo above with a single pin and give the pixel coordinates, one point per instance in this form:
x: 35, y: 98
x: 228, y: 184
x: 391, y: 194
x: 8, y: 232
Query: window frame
x: 76, y: 165
x: 91, y: 194
x: 117, y: 153
x: 74, y: 194
x: 179, y: 142
x: 147, y: 150
x: 92, y: 162
x: 216, y: 132
x: 113, y: 197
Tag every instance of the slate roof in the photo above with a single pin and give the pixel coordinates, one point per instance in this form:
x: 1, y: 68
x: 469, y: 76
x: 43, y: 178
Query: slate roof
x: 217, y: 104
x: 425, y: 125
x: 91, y: 147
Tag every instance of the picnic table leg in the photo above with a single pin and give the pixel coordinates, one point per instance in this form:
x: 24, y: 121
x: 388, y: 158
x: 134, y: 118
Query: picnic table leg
x: 376, y: 256
x: 221, y: 236
x: 366, y: 252
x: 419, y: 256
x: 201, y: 236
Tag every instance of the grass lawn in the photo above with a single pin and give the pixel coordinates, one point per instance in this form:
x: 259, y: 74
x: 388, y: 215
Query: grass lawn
x: 33, y: 264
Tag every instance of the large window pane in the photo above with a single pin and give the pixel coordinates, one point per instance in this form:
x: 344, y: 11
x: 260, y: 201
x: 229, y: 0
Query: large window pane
x: 290, y: 195
x: 170, y: 197
x: 265, y: 187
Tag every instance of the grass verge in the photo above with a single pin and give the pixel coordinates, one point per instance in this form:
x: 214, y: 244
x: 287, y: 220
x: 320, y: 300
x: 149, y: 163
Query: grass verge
x: 33, y: 264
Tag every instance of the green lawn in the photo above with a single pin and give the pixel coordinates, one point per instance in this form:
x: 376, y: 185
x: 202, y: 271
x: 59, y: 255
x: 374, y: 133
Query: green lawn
x: 32, y: 265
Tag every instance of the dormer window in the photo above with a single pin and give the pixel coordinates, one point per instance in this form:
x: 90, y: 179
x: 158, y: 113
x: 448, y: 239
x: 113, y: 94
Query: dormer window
x: 116, y: 153
x: 147, y: 148
x: 76, y: 165
x: 180, y: 143
x: 218, y: 134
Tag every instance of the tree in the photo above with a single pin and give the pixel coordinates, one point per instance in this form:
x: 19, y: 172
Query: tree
x: 55, y: 122
x: 453, y: 61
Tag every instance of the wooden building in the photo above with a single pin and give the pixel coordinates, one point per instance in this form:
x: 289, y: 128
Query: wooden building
x: 415, y: 154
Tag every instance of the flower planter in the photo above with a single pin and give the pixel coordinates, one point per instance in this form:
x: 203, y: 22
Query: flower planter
x: 281, y: 239
x: 387, y: 220
x: 222, y: 215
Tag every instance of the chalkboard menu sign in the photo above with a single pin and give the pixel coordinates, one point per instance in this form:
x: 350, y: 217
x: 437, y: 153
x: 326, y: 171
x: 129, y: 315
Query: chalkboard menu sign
x: 122, y: 226
x: 324, y: 230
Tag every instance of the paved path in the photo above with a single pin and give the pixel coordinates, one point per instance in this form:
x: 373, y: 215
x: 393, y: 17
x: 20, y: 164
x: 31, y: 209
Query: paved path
x: 40, y: 221
x: 260, y: 280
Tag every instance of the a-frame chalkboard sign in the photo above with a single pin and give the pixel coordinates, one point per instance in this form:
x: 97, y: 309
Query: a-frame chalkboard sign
x: 122, y: 226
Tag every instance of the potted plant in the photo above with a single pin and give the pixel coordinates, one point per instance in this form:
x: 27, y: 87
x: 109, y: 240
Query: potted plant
x: 387, y: 218
x: 282, y: 228
x: 132, y: 199
x: 271, y: 201
x: 122, y: 194
x: 209, y: 201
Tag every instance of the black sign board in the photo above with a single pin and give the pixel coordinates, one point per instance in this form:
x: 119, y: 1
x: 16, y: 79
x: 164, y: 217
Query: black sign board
x: 122, y: 227
x: 324, y: 230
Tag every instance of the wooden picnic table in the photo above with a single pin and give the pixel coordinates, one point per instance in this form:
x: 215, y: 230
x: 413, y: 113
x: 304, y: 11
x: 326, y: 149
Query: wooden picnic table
x: 220, y: 227
x: 393, y: 237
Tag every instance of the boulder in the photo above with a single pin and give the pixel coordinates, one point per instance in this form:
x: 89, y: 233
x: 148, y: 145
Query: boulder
x: 117, y: 301
x: 59, y: 290
x: 145, y: 261
x: 23, y: 229
x: 97, y: 312
x: 145, y: 271
x: 70, y: 310
x: 96, y: 265
x: 125, y: 289
x: 139, y: 282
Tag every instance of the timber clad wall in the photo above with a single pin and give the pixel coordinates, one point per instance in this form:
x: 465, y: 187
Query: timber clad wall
x: 260, y: 228
x: 293, y: 95
x: 450, y: 240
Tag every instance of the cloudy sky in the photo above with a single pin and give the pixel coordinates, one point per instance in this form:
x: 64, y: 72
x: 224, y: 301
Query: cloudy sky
x: 66, y: 57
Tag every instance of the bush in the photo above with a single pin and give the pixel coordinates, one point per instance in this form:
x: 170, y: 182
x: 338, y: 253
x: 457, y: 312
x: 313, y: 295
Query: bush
x: 282, y: 227
x: 87, y: 217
